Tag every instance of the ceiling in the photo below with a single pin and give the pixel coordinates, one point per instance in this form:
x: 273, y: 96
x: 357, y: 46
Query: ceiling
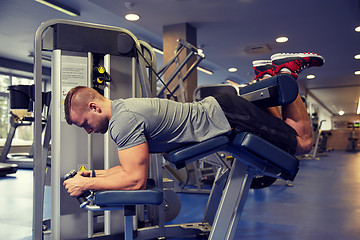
x: 225, y: 29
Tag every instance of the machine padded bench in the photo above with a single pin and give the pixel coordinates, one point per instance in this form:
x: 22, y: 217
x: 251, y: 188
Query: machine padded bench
x: 252, y: 156
x: 264, y: 153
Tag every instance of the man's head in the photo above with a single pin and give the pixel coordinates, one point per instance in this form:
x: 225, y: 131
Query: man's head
x: 87, y: 109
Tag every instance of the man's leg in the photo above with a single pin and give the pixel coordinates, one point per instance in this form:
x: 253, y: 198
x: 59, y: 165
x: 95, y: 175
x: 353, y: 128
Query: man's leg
x: 296, y: 116
x: 263, y: 70
x: 244, y: 116
x: 295, y: 113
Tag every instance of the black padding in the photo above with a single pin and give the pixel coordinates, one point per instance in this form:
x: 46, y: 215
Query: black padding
x: 87, y: 39
x: 21, y: 96
x: 192, y: 151
x: 125, y: 43
x: 283, y: 88
x: 268, y: 152
x: 153, y: 196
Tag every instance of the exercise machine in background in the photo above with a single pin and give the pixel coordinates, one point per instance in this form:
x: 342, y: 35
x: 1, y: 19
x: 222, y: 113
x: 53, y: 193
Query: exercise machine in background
x: 7, y: 168
x: 176, y: 75
x: 353, y: 138
x: 21, y: 114
x: 318, y: 137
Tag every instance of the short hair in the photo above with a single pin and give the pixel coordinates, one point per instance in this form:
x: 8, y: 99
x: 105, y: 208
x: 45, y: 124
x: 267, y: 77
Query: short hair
x: 83, y: 95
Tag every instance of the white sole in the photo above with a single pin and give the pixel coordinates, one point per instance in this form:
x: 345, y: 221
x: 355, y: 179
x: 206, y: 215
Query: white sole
x: 286, y: 55
x: 258, y: 63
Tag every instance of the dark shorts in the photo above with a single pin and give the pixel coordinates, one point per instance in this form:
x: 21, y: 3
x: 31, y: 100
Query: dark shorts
x: 244, y: 116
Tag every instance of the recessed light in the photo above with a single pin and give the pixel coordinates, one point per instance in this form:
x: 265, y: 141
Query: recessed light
x: 282, y: 39
x: 357, y: 29
x: 341, y: 112
x: 232, y: 69
x: 132, y: 17
x: 60, y: 7
x: 204, y: 70
x: 357, y: 73
x: 311, y: 76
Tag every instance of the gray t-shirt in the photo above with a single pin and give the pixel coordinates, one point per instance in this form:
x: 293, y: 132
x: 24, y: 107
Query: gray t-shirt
x: 163, y: 124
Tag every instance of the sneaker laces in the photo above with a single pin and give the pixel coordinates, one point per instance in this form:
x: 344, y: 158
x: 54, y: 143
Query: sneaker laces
x: 301, y: 65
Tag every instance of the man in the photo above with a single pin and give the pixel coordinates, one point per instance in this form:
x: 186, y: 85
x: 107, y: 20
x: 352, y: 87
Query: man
x: 142, y: 125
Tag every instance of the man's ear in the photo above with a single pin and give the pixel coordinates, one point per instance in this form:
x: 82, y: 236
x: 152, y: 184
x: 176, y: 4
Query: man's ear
x: 94, y: 107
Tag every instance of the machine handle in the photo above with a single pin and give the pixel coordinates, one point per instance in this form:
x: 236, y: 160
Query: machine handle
x: 83, y: 198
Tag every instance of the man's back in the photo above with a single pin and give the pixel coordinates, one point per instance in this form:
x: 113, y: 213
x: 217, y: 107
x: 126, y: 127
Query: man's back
x: 165, y: 124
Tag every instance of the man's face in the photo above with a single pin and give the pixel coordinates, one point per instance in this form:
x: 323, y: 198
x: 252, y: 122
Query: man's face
x: 92, y: 121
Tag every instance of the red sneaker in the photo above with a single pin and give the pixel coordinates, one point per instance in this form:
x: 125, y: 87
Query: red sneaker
x: 294, y: 63
x: 263, y: 67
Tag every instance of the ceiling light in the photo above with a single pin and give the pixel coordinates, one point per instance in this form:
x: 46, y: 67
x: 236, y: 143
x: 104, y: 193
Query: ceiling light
x: 341, y: 112
x: 234, y: 83
x: 357, y: 56
x: 282, y: 39
x: 132, y: 17
x: 357, y: 73
x: 232, y: 69
x: 311, y: 76
x: 205, y: 70
x: 60, y: 7
x: 357, y: 29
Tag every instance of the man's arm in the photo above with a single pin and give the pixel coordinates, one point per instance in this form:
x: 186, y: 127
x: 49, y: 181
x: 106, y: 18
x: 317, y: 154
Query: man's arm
x: 130, y: 175
x: 100, y: 173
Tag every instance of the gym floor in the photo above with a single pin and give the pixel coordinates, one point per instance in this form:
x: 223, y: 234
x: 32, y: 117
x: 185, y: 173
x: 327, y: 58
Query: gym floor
x: 324, y: 203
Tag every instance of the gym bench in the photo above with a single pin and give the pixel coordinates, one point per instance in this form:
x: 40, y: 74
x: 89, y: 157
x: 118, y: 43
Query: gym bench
x: 252, y: 156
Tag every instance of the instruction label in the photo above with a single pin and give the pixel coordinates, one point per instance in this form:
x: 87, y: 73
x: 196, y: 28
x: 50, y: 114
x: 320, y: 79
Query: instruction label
x: 73, y: 73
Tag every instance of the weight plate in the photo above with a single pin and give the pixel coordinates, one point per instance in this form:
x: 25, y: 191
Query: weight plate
x: 172, y: 205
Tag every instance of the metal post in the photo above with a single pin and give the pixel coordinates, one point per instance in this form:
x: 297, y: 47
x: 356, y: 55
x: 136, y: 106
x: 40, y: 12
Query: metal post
x: 55, y: 131
x: 232, y: 201
x: 144, y: 82
x: 90, y: 143
x: 107, y: 214
x: 39, y: 169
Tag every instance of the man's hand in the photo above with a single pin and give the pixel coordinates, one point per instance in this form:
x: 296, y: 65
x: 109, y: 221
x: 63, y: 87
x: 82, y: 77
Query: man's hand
x: 131, y: 174
x: 84, y: 173
x: 75, y: 185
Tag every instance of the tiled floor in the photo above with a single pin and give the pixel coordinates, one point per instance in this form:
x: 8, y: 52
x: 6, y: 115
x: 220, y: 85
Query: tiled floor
x: 16, y: 205
x: 323, y: 204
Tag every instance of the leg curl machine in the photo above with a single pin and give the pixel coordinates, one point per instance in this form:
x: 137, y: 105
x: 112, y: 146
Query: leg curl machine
x: 253, y: 155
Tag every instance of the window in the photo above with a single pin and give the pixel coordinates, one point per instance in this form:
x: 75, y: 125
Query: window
x: 4, y: 105
x: 21, y: 81
x: 4, y: 116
